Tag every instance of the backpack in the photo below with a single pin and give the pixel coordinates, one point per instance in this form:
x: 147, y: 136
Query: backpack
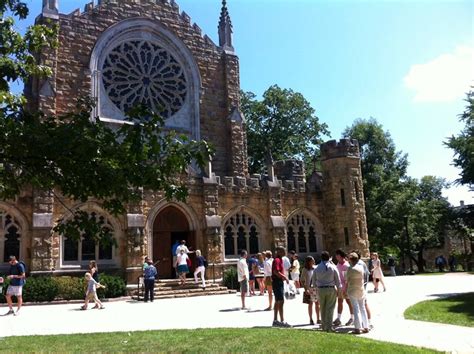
x: 24, y: 267
x: 205, y: 262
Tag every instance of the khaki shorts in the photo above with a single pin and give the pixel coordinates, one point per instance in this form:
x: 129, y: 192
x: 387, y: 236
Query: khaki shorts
x: 92, y: 296
x: 244, y: 286
x: 268, y: 281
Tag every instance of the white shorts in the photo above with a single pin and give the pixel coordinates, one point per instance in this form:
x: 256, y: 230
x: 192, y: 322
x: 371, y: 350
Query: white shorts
x: 15, y: 290
x: 295, y: 276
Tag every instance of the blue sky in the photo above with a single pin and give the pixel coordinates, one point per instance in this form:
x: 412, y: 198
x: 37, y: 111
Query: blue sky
x: 406, y: 63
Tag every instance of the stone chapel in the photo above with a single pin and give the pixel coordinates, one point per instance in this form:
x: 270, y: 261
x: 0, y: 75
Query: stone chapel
x: 122, y: 52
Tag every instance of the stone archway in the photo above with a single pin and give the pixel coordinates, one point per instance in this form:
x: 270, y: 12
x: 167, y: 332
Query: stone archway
x: 170, y: 224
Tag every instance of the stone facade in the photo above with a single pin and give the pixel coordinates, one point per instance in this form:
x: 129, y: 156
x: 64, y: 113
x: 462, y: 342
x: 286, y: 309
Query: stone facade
x: 102, y: 52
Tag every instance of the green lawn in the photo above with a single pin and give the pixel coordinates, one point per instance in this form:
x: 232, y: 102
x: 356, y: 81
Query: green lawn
x: 207, y: 340
x: 455, y: 310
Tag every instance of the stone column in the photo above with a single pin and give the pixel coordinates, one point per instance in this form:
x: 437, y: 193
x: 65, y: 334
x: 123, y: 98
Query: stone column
x: 44, y: 252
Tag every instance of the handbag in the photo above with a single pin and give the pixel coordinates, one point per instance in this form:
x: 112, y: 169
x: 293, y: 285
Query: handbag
x: 188, y: 262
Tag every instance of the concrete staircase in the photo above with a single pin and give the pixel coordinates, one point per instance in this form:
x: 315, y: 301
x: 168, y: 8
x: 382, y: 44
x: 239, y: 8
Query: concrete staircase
x: 170, y: 288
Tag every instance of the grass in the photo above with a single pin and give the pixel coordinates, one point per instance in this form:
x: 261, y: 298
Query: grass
x: 456, y: 310
x: 207, y: 340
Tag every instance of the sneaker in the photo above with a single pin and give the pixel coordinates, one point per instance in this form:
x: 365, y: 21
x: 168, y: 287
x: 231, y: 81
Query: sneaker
x: 285, y: 325
x: 276, y: 324
x: 311, y: 322
x: 318, y: 322
x: 350, y: 322
x: 10, y: 312
x: 337, y: 322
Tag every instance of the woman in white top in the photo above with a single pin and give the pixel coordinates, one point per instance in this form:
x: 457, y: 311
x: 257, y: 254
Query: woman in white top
x: 295, y: 270
x: 267, y: 271
x: 354, y: 288
x: 377, y: 273
x: 182, y: 266
x: 310, y: 294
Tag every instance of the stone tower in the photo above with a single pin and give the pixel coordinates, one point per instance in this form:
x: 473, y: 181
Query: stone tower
x: 343, y: 196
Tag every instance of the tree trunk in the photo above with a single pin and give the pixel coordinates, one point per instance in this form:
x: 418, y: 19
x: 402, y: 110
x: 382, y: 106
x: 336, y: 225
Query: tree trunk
x: 420, y: 262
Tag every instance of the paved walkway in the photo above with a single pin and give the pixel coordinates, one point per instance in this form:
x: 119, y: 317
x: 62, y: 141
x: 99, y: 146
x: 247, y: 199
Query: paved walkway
x: 223, y: 311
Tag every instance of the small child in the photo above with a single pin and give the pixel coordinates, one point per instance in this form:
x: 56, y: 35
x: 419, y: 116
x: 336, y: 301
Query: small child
x: 91, y: 293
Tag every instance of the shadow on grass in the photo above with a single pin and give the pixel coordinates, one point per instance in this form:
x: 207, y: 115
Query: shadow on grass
x: 462, y: 303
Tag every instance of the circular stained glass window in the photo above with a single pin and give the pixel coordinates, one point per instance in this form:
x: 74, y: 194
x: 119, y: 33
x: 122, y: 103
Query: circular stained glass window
x: 140, y: 72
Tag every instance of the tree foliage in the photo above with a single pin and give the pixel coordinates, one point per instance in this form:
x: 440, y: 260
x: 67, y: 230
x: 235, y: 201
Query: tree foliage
x: 463, y: 144
x: 79, y: 156
x: 383, y: 170
x: 284, y: 124
x: 390, y: 195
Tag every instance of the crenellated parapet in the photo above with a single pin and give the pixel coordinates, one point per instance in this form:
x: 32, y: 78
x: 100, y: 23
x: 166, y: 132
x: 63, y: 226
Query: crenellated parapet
x: 342, y: 148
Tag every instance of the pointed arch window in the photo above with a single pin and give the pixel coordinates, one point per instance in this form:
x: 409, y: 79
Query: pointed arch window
x: 241, y: 232
x: 301, y: 234
x: 80, y: 252
x: 10, y: 236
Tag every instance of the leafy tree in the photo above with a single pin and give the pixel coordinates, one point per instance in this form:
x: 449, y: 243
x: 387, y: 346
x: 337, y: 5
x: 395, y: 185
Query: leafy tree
x: 284, y: 124
x: 430, y: 215
x: 383, y: 171
x: 463, y: 144
x: 74, y: 154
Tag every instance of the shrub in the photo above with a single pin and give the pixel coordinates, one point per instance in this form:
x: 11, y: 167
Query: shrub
x: 39, y: 289
x: 70, y: 288
x: 114, y: 286
x: 230, y: 279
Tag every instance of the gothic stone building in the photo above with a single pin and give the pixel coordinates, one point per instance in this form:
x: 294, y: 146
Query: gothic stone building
x: 129, y: 51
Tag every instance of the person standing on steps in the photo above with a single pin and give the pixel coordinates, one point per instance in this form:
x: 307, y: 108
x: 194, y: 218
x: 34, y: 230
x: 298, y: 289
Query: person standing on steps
x: 149, y: 275
x: 200, y: 268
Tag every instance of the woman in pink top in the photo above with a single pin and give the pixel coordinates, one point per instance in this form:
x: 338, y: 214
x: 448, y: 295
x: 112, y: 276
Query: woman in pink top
x: 342, y: 267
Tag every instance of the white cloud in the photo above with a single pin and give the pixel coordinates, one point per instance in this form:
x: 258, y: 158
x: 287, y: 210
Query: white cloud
x: 443, y: 79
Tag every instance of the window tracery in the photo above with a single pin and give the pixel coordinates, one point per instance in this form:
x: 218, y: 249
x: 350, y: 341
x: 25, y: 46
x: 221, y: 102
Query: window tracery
x: 241, y: 232
x: 141, y: 72
x: 10, y: 236
x: 301, y: 234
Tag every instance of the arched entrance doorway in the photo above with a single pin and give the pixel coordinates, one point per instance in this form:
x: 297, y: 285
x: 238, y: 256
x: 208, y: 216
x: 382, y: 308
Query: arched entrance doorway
x: 170, y: 225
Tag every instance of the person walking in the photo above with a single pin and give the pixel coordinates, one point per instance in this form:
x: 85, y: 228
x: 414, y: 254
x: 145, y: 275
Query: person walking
x: 267, y: 271
x: 17, y: 280
x: 200, y: 269
x: 149, y: 276
x: 377, y: 273
x: 243, y: 277
x: 326, y: 278
x: 278, y: 279
x: 182, y: 266
x: 354, y: 288
x: 94, y: 270
x: 342, y: 267
x: 174, y: 254
x: 310, y: 295
x: 91, y: 292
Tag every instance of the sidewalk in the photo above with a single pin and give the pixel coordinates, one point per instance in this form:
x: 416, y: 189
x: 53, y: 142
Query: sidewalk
x: 223, y: 311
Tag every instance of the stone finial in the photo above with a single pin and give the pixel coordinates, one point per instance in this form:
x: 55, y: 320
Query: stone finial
x: 50, y: 9
x: 225, y: 29
x: 270, y: 167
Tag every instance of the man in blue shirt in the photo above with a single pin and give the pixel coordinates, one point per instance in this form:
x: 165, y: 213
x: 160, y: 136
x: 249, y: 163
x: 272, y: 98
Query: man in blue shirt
x: 149, y: 275
x: 17, y: 280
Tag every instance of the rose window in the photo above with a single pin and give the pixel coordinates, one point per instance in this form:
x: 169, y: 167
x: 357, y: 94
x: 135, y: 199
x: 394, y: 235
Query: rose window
x: 140, y: 72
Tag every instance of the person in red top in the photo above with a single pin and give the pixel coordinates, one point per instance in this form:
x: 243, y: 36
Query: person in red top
x: 278, y: 277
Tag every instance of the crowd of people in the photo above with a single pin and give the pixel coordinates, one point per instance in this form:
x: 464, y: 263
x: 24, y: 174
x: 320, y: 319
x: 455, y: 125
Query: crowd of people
x: 337, y: 280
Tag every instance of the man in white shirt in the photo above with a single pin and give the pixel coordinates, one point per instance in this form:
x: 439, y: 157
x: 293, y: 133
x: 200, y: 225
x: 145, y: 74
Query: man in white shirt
x: 286, y: 266
x: 243, y: 276
x: 182, y: 246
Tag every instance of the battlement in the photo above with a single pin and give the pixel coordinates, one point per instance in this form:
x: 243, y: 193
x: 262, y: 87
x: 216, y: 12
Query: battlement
x: 342, y: 148
x: 290, y: 170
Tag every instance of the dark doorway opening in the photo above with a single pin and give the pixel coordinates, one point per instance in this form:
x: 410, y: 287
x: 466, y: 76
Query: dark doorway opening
x: 170, y: 225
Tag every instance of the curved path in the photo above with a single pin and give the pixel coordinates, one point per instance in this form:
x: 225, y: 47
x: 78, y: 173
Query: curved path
x: 223, y: 311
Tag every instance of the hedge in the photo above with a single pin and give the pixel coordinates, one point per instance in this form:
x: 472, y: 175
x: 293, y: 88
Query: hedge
x: 48, y: 288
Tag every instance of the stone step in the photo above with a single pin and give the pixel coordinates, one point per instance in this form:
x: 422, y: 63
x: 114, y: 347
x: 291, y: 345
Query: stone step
x: 189, y: 291
x: 204, y: 293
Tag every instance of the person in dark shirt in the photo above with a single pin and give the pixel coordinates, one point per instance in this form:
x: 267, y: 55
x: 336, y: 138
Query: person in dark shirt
x: 278, y: 277
x: 17, y: 280
x: 149, y: 275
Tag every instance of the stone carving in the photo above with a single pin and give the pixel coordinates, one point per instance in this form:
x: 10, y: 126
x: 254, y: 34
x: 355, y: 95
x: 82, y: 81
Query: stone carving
x: 137, y: 72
